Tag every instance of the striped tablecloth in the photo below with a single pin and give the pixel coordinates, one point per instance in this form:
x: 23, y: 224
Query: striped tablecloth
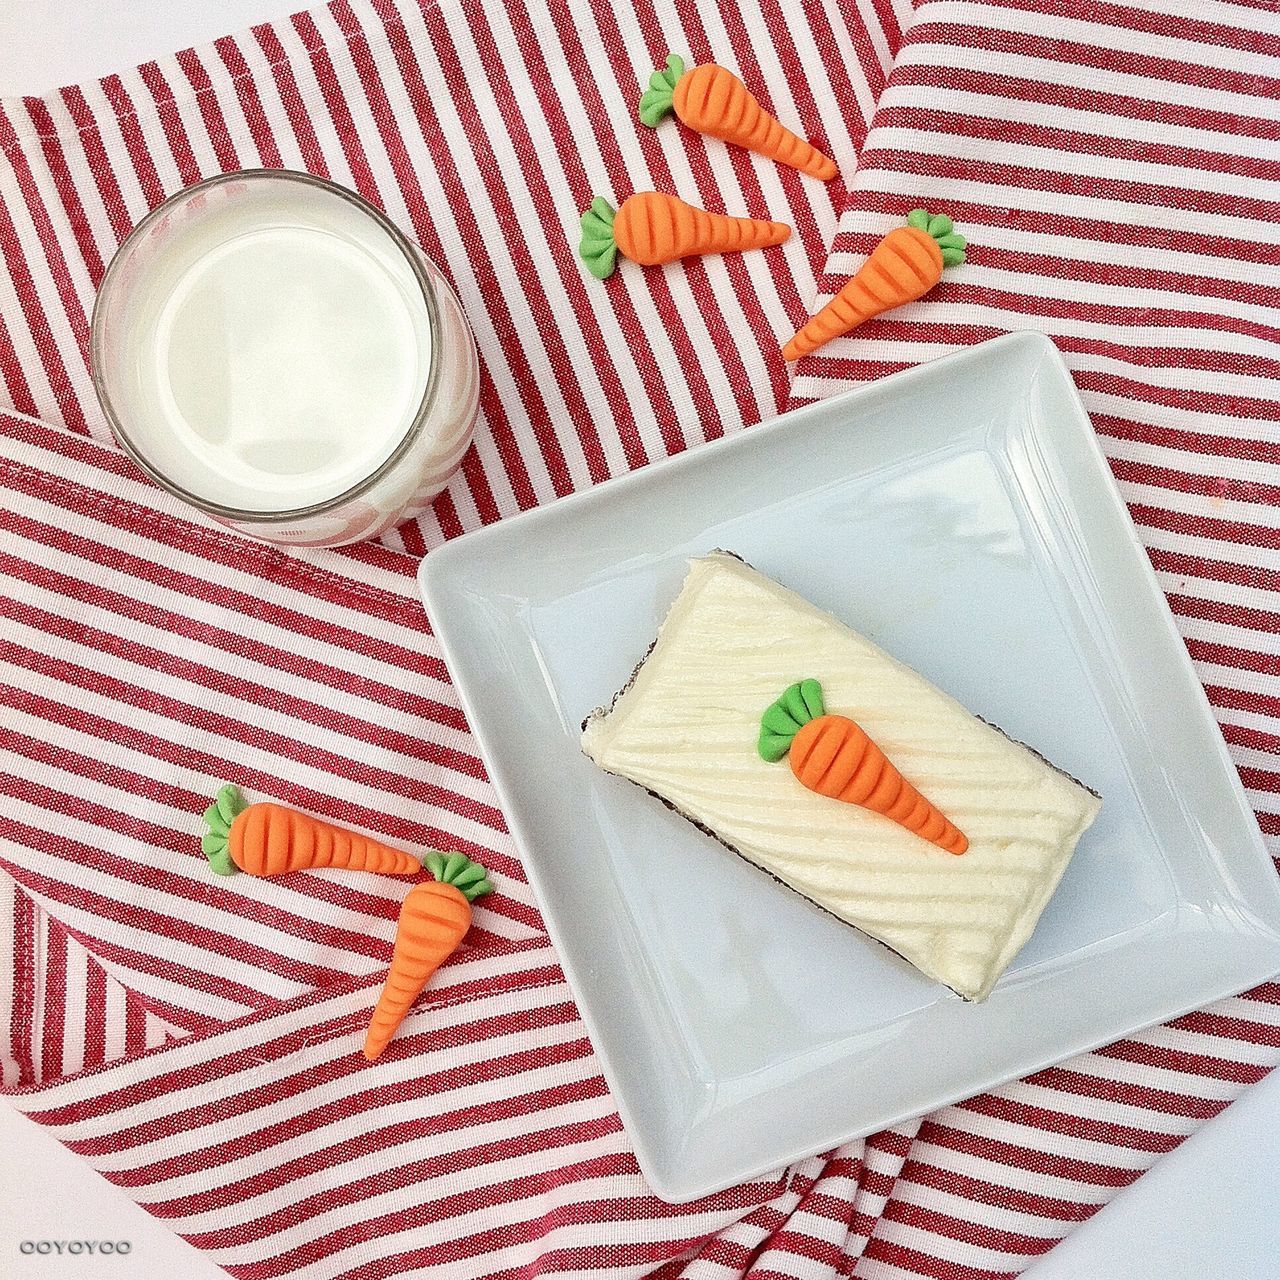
x: 1116, y: 168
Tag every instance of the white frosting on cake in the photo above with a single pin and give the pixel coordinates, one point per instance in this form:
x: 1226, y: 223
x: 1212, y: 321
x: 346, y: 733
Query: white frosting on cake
x: 686, y: 729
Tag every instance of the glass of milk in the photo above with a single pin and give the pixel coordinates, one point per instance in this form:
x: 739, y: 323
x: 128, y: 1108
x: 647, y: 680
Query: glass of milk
x: 270, y: 348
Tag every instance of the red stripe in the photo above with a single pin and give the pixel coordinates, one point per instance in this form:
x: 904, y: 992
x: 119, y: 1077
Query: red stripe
x: 135, y: 1023
x: 224, y: 728
x: 1003, y: 1196
x: 975, y: 1233
x: 312, y: 1075
x: 109, y: 911
x: 54, y: 1011
x: 89, y: 139
x: 291, y: 100
x: 1186, y: 438
x: 1215, y: 488
x: 95, y: 1017
x: 898, y: 1255
x: 134, y: 653
x: 1223, y: 1025
x: 175, y: 130
x: 1191, y: 1064
x: 126, y: 117
x: 1012, y: 132
x: 22, y: 1015
x: 24, y: 284
x: 1179, y: 25
x: 517, y: 1109
x: 250, y: 100
x: 1073, y: 55
x: 1202, y: 526
x: 1240, y: 736
x: 1176, y: 563
x: 1235, y: 615
x: 68, y: 193
x: 1088, y: 1128
x: 1075, y: 94
x: 1027, y: 1158
x: 206, y: 100
x: 1038, y: 183
x: 15, y: 378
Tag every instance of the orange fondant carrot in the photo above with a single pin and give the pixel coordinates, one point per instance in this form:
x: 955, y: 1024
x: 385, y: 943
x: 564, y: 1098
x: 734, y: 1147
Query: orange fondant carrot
x: 714, y: 101
x: 833, y: 756
x: 433, y: 921
x: 904, y: 266
x: 269, y: 840
x: 651, y: 227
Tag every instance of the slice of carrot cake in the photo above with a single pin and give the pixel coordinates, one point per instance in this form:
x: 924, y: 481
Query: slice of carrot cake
x: 843, y: 773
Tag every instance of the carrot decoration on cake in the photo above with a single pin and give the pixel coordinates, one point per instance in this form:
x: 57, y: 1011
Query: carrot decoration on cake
x: 433, y: 921
x: 651, y: 228
x: 268, y: 839
x: 833, y: 756
x: 712, y: 100
x: 904, y: 266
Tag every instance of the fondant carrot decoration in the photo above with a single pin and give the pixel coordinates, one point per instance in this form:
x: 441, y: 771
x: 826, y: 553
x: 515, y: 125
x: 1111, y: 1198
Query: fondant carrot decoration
x: 715, y: 102
x: 833, y: 756
x: 651, y: 227
x: 904, y: 266
x: 433, y: 921
x: 267, y: 839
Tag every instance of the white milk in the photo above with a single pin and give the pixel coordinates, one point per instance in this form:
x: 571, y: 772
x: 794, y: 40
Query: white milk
x: 265, y: 346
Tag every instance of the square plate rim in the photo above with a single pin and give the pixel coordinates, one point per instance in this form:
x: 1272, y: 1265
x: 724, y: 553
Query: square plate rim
x: 439, y: 563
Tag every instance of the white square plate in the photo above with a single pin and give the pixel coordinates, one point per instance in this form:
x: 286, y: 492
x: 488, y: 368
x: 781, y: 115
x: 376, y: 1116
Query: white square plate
x: 962, y: 516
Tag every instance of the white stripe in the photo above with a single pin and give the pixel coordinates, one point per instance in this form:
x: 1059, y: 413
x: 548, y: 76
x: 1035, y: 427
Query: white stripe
x: 1210, y: 550
x: 944, y: 1248
x: 1195, y: 504
x: 1108, y: 1109
x: 356, y: 577
x: 1030, y: 1138
x: 75, y: 997
x: 1135, y: 213
x: 245, y: 1039
x: 192, y: 117
x: 1217, y: 466
x: 229, y: 657
x: 1066, y: 117
x: 1250, y: 638
x: 317, y: 1054
x: 1030, y: 1181
x: 1113, y: 36
x: 923, y: 53
x: 176, y: 950
x: 368, y: 1169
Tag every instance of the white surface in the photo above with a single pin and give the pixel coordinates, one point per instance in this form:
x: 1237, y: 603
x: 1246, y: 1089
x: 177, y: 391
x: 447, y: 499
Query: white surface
x: 1212, y: 1208
x: 962, y: 516
x: 47, y: 1193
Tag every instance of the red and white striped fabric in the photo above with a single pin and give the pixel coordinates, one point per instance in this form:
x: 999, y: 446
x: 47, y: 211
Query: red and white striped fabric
x: 1117, y: 171
x: 145, y: 657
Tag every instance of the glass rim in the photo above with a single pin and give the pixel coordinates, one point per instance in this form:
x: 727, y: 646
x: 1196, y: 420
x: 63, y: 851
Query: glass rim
x: 416, y: 263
